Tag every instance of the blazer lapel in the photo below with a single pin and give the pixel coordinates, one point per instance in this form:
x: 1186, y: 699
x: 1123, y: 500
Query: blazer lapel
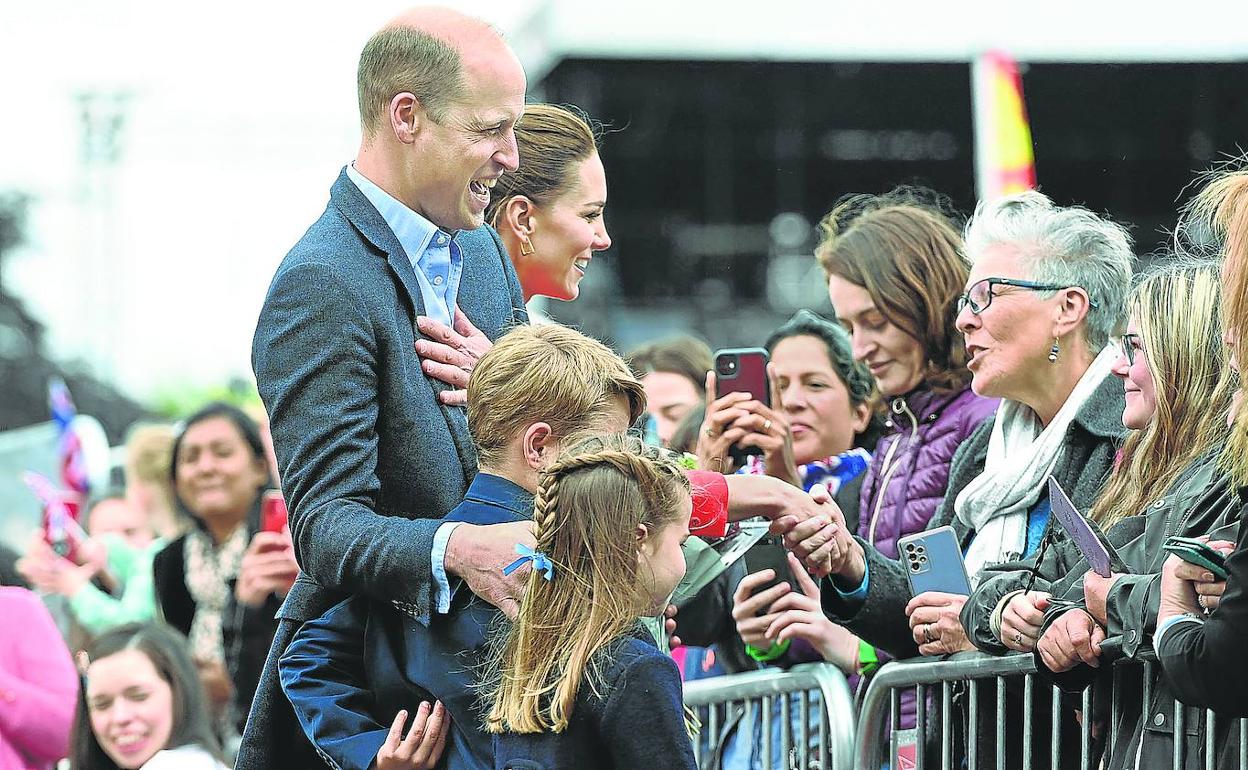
x: 369, y: 222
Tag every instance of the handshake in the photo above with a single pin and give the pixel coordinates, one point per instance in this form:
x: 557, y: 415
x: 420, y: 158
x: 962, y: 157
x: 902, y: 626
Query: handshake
x: 814, y: 530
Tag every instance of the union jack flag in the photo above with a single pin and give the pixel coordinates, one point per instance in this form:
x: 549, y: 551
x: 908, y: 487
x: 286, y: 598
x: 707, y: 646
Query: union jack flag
x: 73, y: 463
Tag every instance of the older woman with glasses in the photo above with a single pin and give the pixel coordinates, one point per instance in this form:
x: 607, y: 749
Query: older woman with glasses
x: 1047, y: 290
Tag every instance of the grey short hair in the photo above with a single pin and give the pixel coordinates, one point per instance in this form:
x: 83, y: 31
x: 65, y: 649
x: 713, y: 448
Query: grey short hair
x: 1067, y: 246
x: 402, y: 58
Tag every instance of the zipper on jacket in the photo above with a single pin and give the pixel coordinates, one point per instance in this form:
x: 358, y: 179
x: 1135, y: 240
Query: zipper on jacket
x: 897, y: 407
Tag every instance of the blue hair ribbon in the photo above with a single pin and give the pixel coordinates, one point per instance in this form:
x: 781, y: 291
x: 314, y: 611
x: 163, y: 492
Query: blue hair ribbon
x: 541, y: 562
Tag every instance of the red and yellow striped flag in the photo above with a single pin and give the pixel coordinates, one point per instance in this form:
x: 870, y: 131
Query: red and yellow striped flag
x: 1004, y: 163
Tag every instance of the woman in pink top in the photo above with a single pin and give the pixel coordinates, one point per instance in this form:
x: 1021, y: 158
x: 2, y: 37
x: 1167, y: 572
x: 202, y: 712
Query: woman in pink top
x: 38, y: 684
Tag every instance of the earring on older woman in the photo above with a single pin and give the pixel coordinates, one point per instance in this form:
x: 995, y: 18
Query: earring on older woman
x: 1053, y: 351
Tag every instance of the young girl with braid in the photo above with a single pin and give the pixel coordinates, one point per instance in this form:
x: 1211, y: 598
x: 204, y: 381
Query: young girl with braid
x: 374, y: 684
x: 578, y: 681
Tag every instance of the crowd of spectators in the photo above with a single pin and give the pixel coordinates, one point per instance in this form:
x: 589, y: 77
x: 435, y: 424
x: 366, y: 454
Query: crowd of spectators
x: 425, y: 434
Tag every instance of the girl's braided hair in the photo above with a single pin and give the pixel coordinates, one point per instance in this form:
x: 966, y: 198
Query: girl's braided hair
x: 593, y: 506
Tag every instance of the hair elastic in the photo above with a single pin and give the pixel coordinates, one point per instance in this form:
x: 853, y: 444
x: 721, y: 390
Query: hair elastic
x: 541, y: 562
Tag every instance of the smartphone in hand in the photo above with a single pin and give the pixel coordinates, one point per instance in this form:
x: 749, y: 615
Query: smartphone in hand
x: 933, y: 562
x: 1197, y: 552
x: 273, y: 513
x: 742, y: 370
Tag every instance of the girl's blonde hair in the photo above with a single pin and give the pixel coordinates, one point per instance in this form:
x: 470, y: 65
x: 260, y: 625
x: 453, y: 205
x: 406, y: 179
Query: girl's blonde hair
x: 1177, y: 308
x: 589, y: 505
x: 1218, y: 217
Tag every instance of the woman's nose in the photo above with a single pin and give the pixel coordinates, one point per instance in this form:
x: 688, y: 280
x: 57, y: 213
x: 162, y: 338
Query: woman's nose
x: 966, y: 320
x: 1121, y: 366
x: 602, y: 240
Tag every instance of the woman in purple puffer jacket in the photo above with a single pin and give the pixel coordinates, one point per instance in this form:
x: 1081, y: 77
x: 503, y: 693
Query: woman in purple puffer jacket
x: 895, y: 269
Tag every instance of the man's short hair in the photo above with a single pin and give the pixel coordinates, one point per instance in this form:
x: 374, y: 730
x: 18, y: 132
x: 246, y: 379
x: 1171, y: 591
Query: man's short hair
x: 402, y: 59
x: 546, y: 373
x: 687, y: 356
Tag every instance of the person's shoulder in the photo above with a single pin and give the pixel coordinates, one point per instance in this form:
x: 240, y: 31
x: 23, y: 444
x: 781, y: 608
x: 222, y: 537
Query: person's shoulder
x: 481, y: 241
x: 21, y: 601
x: 189, y: 757
x: 1101, y: 414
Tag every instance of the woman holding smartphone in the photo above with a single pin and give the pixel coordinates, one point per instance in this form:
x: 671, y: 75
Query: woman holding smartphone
x: 1202, y: 655
x: 222, y: 582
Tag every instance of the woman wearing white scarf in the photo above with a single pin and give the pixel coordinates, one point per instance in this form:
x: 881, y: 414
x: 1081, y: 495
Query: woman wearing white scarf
x: 1047, y: 289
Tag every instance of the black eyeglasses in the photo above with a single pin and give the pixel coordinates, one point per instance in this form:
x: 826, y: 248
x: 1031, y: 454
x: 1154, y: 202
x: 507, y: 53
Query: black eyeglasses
x: 1128, y: 344
x: 979, y: 296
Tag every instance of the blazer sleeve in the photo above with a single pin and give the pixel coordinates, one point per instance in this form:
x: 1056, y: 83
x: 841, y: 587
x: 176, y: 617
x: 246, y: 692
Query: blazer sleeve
x: 316, y: 360
x: 643, y: 722
x: 1204, y: 662
x: 322, y: 673
x: 36, y: 712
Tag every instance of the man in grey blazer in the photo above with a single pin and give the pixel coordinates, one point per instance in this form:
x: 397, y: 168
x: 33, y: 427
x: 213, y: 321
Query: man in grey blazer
x: 370, y: 460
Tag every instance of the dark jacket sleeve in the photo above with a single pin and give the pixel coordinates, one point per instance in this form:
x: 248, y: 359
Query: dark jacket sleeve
x: 319, y: 375
x: 1204, y: 662
x: 169, y: 582
x: 881, y: 618
x: 322, y: 674
x: 648, y: 695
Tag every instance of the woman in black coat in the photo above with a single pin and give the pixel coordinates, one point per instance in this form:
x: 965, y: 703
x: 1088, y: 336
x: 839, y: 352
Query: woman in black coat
x: 220, y: 584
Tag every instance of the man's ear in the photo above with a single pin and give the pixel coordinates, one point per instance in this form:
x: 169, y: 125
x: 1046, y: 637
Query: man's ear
x: 407, y: 117
x: 539, y: 445
x: 518, y: 217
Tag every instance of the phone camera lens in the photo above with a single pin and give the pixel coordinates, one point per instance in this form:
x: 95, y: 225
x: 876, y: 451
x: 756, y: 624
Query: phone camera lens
x: 726, y: 366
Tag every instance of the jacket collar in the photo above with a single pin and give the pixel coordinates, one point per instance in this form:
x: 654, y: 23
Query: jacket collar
x: 1101, y: 414
x: 496, y: 490
x: 368, y: 221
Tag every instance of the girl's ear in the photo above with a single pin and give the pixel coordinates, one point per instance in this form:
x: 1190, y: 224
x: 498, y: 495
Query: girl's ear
x: 540, y: 445
x: 641, y: 533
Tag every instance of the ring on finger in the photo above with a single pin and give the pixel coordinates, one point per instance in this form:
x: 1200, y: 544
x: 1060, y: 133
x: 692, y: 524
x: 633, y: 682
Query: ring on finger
x: 927, y: 633
x: 710, y: 433
x: 766, y: 425
x: 1018, y: 637
x: 1200, y: 599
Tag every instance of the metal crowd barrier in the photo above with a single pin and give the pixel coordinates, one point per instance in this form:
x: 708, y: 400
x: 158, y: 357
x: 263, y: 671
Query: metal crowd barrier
x: 817, y: 692
x: 934, y: 681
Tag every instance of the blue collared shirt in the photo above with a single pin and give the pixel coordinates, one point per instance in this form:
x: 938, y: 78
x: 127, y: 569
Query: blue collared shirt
x: 434, y: 255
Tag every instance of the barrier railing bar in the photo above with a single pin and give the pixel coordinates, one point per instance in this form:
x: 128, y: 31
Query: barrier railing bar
x: 920, y: 726
x: 1178, y: 727
x: 766, y: 730
x: 946, y: 727
x: 1000, y: 723
x: 1211, y: 723
x: 804, y: 711
x: 1085, y: 730
x: 1029, y: 700
x: 972, y: 738
x: 1115, y: 704
x: 1055, y: 717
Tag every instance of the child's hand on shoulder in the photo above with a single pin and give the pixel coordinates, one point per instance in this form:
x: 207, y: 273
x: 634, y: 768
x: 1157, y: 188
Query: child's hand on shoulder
x: 425, y: 741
